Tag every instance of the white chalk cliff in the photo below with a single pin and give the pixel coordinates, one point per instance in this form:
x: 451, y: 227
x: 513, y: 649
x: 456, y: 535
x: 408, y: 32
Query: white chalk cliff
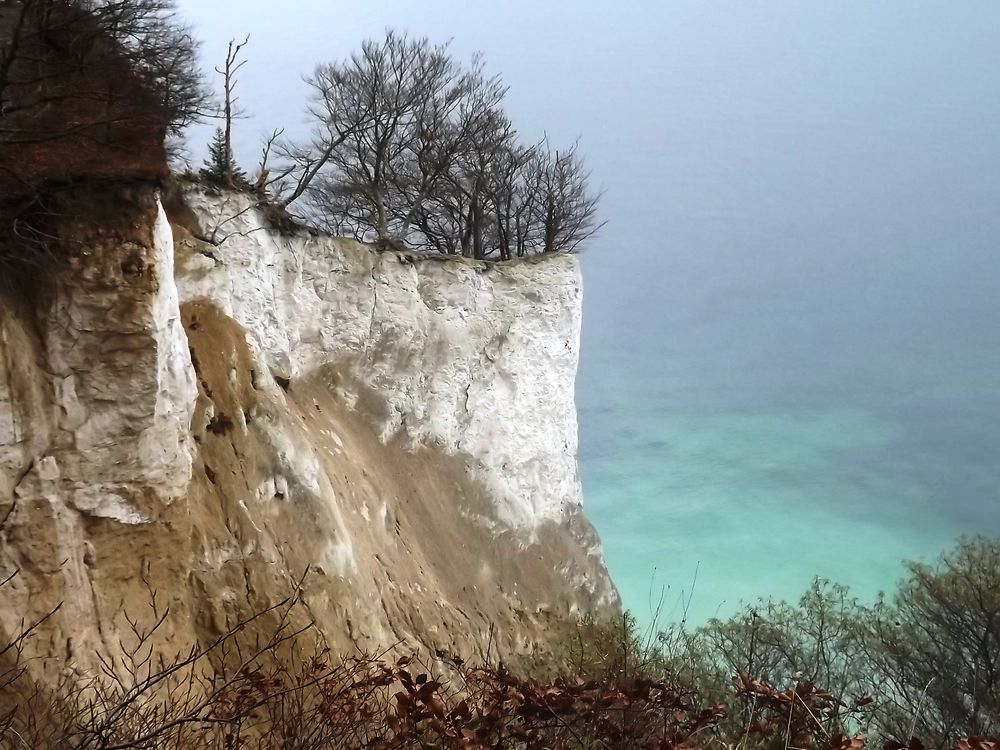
x: 205, y: 406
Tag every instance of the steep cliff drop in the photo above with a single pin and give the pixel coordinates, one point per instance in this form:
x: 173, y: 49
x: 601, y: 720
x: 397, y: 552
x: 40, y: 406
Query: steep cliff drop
x: 199, y: 409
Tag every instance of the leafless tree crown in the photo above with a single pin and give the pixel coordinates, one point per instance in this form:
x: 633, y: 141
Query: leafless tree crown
x: 411, y: 147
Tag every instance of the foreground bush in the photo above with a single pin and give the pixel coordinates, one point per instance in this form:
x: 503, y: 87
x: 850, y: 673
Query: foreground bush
x: 913, y: 672
x: 925, y: 660
x: 266, y: 684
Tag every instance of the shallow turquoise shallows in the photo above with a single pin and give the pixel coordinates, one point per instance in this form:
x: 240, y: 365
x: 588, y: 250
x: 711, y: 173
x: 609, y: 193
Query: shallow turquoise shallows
x: 743, y: 430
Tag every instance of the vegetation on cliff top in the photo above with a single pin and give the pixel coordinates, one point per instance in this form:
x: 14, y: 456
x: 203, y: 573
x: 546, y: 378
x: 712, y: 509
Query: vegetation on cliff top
x: 90, y: 89
x: 408, y: 147
x: 411, y: 148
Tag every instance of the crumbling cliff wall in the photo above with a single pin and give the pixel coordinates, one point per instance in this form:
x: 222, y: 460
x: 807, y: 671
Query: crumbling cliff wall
x: 198, y: 411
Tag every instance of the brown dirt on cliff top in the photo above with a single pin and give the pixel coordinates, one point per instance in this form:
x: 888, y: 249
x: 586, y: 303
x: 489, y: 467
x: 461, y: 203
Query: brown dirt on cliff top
x: 74, y: 108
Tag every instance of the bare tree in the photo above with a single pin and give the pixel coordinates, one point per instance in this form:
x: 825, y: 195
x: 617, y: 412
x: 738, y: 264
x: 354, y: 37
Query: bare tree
x: 567, y: 206
x: 220, y: 167
x: 445, y: 181
x: 411, y: 147
x: 336, y: 116
x: 230, y: 109
x: 511, y: 199
x: 472, y: 178
x: 458, y: 111
x: 402, y: 93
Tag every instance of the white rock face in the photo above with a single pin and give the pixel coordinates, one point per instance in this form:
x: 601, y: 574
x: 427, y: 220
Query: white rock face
x: 421, y: 464
x: 476, y: 358
x: 96, y: 397
x: 120, y: 381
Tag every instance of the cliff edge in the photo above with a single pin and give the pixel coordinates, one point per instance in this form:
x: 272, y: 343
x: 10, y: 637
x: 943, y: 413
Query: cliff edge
x: 198, y: 409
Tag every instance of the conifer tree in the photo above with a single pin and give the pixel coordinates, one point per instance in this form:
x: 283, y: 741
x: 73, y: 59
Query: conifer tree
x: 220, y: 166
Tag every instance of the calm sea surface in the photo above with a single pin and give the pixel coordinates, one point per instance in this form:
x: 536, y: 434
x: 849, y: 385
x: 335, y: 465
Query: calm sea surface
x: 791, y: 348
x: 758, y: 413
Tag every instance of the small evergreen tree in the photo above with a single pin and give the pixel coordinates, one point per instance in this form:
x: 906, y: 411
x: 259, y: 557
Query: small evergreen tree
x: 220, y: 166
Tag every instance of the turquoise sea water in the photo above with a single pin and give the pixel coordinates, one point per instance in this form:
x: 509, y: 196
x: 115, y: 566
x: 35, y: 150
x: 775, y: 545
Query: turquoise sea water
x: 791, y: 338
x: 744, y: 430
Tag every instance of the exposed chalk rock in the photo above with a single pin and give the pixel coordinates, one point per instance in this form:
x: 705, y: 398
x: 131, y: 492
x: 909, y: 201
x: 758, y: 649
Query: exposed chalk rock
x: 478, y: 358
x: 209, y: 409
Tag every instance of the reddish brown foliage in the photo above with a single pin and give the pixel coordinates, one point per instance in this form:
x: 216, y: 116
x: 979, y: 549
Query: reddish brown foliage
x: 963, y: 743
x: 809, y: 716
x: 499, y: 709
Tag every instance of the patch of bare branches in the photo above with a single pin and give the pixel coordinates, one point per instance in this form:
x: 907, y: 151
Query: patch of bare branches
x: 113, y: 47
x: 89, y: 89
x: 411, y: 148
x: 268, y: 683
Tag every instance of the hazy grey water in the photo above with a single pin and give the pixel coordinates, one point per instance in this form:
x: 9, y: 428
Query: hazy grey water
x: 791, y: 356
x: 808, y: 390
x: 764, y: 436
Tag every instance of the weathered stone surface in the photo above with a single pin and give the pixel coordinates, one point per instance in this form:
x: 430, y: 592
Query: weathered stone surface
x: 478, y: 358
x: 207, y: 420
x: 96, y: 402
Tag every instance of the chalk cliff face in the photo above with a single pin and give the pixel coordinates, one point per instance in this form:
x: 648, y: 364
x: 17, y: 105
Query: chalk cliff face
x: 477, y: 359
x: 208, y: 409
